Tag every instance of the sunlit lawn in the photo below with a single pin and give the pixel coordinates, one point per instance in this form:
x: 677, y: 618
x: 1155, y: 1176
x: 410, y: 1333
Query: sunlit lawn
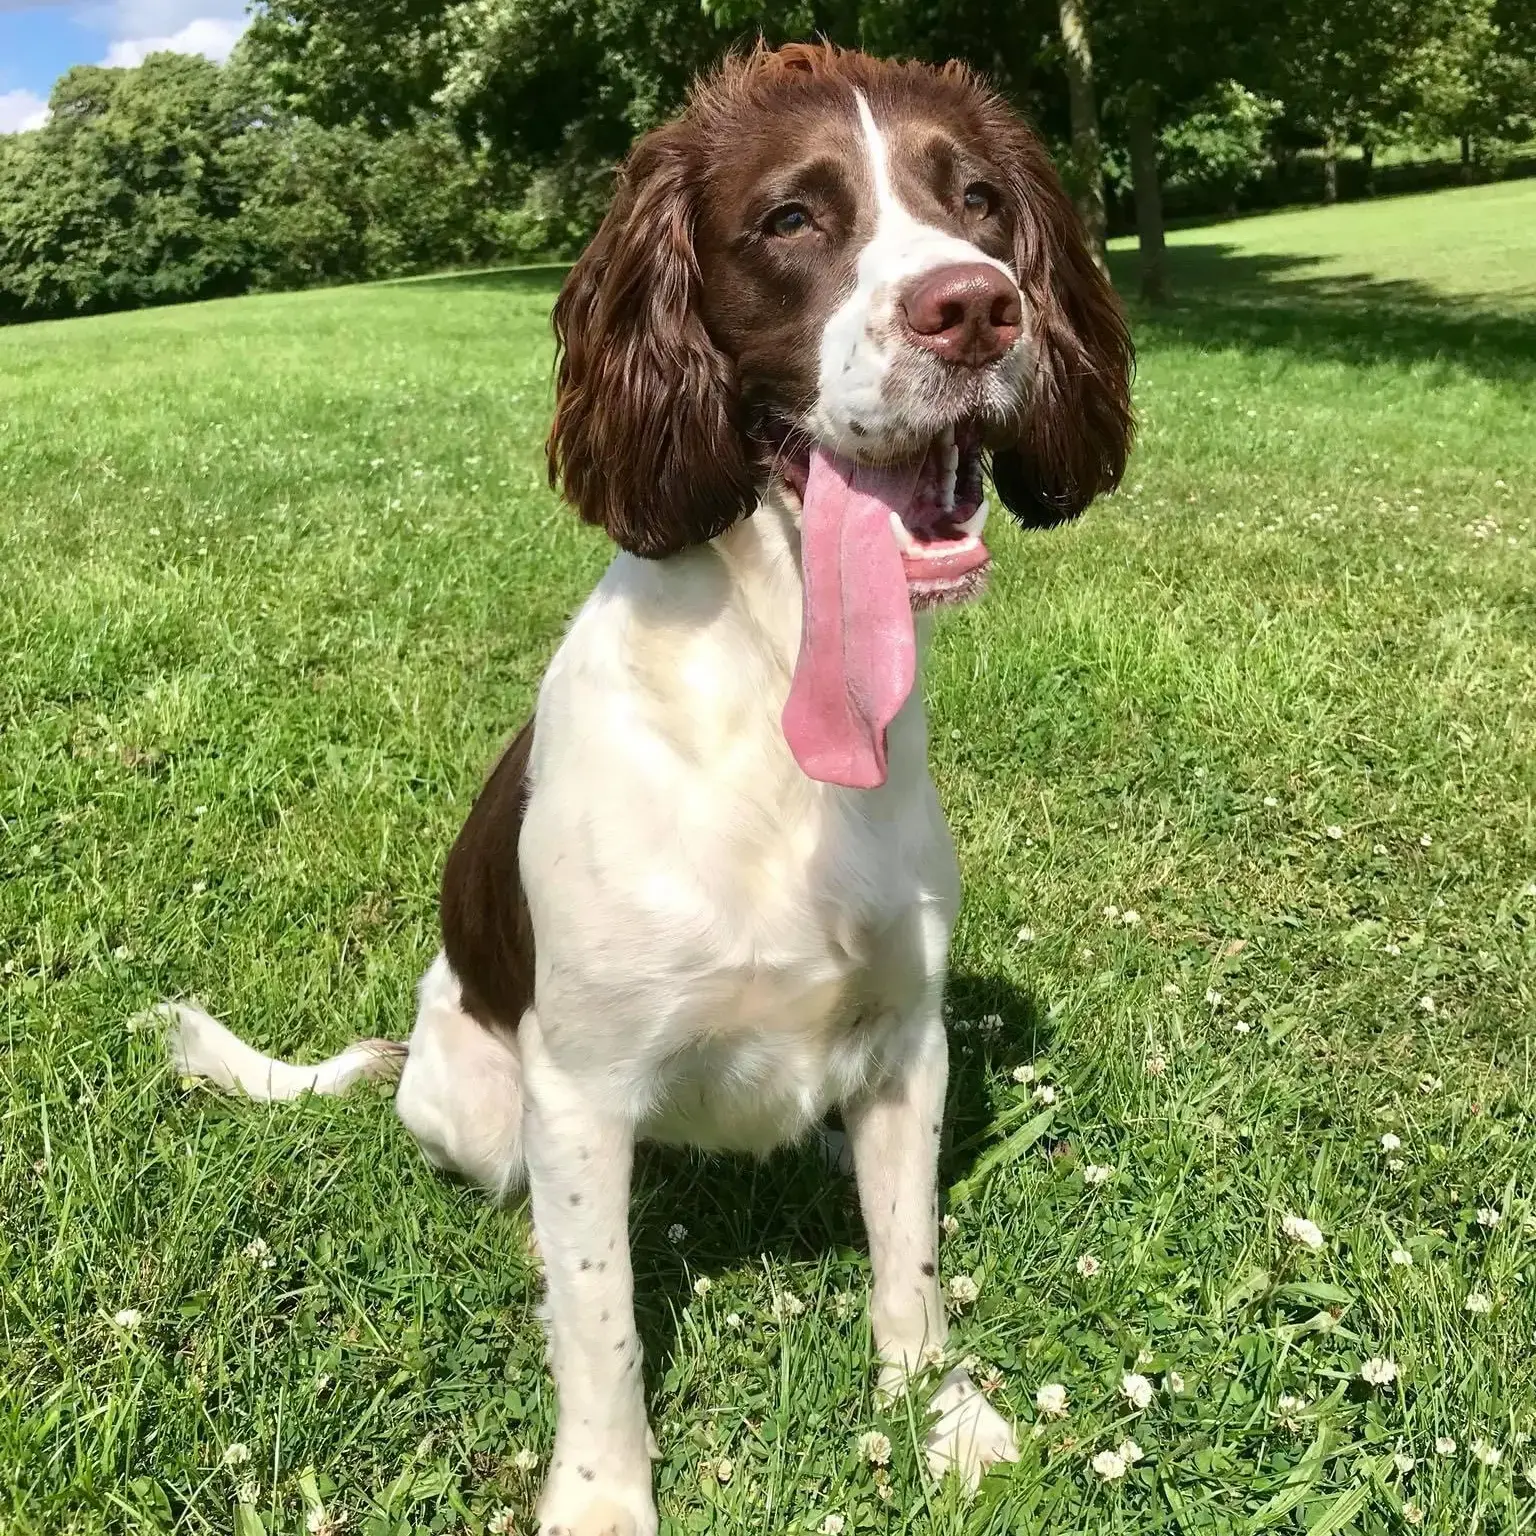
x: 1241, y: 773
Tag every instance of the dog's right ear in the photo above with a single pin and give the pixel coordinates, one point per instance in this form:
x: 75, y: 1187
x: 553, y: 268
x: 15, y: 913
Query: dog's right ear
x: 645, y: 441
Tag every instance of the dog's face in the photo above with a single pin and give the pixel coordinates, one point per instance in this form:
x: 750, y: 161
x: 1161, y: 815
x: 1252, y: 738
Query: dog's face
x: 828, y: 255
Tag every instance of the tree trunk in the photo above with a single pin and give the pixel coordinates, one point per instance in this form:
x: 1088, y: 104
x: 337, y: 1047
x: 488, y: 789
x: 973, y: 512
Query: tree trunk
x: 1368, y: 163
x: 1087, y: 159
x: 1330, y: 169
x: 1149, y: 197
x: 1466, y: 157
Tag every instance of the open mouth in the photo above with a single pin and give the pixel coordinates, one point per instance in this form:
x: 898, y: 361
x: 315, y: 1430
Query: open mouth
x: 938, y: 526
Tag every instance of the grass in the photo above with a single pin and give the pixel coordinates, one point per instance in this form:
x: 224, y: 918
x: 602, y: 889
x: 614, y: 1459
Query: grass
x: 278, y: 575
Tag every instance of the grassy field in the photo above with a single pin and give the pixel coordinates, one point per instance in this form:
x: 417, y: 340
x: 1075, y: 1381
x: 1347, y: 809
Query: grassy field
x: 1241, y: 771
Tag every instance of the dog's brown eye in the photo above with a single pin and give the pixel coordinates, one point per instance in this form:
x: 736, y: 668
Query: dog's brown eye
x: 789, y: 221
x: 980, y: 199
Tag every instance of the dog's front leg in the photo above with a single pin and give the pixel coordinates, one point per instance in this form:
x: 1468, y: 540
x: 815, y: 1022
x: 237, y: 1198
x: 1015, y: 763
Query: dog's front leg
x: 894, y: 1136
x: 579, y: 1158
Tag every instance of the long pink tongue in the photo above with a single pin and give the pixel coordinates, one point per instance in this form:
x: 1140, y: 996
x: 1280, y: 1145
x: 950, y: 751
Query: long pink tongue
x: 858, y: 653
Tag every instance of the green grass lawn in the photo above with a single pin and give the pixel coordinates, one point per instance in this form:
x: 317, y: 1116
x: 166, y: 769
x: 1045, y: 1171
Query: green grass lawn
x: 1241, y: 772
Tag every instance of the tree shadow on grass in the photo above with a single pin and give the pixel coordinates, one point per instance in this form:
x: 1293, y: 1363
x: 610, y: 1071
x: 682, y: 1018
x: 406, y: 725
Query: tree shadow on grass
x: 1224, y: 297
x: 792, y: 1207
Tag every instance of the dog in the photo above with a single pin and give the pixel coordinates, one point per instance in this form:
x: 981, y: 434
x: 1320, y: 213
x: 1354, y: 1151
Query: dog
x: 706, y: 895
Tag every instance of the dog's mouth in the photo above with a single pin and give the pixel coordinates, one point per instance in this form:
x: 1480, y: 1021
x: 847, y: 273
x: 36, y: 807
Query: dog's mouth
x: 938, y: 528
x: 876, y: 541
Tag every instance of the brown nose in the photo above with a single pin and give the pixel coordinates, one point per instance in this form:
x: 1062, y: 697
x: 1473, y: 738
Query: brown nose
x: 967, y: 314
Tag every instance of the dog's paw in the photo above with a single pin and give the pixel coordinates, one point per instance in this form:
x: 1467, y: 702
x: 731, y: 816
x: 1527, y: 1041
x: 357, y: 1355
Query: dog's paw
x: 580, y: 1501
x: 970, y: 1435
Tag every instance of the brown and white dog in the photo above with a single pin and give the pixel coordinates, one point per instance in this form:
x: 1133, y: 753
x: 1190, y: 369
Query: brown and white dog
x: 822, y: 298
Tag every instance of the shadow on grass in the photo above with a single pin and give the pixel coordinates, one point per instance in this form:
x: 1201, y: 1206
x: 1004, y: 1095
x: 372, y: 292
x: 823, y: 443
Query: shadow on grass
x: 546, y: 277
x: 1224, y: 297
x: 791, y: 1207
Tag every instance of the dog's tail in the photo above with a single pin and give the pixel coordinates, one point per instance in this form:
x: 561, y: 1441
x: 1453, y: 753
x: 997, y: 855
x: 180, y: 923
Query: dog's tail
x: 200, y: 1046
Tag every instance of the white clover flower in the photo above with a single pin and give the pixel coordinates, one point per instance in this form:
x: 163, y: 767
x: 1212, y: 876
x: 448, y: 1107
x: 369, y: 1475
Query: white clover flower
x: 733, y: 1321
x: 1095, y: 1174
x: 1170, y: 989
x: 1136, y: 1390
x: 1489, y: 1216
x: 248, y: 1491
x: 1155, y: 1066
x: 990, y: 1380
x: 1335, y: 832
x: 832, y: 1526
x: 1175, y: 1383
x: 1307, y: 1233
x: 1445, y: 1445
x: 1111, y: 912
x: 1395, y: 1165
x: 1088, y: 1266
x: 677, y: 1233
x: 236, y: 1453
x: 128, y: 1319
x: 1051, y: 1401
x: 1213, y: 997
x: 1413, y: 1514
x: 526, y: 1460
x: 259, y: 1254
x: 725, y: 1470
x: 1378, y: 1371
x: 962, y: 1291
x: 1478, y: 1304
x: 1489, y: 1455
x: 1044, y: 1094
x: 875, y: 1448
x: 1389, y: 1142
x: 1026, y: 935
x: 1400, y: 1258
x: 1380, y: 850
x: 1130, y: 917
x: 1241, y: 1027
x: 703, y: 1286
x: 502, y: 1522
x: 1109, y: 1465
x: 932, y: 1355
x: 1024, y: 1074
x: 1425, y: 840
x: 950, y: 1225
x: 1404, y: 1462
x: 1429, y: 1084
x: 1392, y: 949
x: 787, y: 1304
x: 1270, y: 801
x: 1427, y: 1003
x: 1129, y: 1452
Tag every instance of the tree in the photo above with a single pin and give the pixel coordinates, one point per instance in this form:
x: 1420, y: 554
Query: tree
x: 1085, y: 170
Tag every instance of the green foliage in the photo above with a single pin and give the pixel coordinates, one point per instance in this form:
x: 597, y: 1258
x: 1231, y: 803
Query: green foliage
x: 1221, y: 145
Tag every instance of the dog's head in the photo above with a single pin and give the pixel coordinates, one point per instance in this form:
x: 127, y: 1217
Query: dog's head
x: 858, y: 279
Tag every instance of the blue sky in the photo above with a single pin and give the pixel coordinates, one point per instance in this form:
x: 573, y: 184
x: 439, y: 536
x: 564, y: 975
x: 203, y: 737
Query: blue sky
x: 39, y: 41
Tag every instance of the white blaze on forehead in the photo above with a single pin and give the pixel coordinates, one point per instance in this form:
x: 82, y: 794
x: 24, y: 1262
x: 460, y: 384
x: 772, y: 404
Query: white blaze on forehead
x: 862, y: 338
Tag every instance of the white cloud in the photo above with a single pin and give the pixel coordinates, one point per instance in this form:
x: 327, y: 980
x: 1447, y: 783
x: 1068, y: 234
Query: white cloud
x: 211, y: 36
x: 21, y: 110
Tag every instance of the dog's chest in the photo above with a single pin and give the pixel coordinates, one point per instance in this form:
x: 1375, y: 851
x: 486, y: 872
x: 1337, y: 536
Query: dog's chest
x: 730, y: 947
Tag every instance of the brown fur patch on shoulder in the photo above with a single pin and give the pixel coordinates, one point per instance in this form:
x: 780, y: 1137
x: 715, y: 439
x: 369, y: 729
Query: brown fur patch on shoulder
x: 487, y: 930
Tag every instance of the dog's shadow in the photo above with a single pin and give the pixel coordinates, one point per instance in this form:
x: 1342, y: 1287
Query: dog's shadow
x: 698, y: 1216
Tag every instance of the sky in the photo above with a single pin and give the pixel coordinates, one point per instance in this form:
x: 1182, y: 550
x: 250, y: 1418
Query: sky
x: 40, y: 39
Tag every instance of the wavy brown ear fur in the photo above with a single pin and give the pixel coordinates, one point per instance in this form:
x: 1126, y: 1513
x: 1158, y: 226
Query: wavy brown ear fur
x: 1076, y: 432
x: 645, y: 441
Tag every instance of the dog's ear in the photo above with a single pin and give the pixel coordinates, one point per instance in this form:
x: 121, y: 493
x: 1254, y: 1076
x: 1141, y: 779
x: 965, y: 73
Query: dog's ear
x: 645, y: 441
x: 1075, y: 431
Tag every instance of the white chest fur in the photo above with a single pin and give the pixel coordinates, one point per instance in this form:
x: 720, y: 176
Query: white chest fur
x: 738, y: 945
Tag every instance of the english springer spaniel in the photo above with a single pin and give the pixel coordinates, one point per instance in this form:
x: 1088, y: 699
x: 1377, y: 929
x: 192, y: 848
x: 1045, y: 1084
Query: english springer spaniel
x: 706, y: 896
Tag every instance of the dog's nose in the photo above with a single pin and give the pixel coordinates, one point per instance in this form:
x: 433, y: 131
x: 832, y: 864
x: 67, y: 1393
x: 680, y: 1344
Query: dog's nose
x: 967, y: 314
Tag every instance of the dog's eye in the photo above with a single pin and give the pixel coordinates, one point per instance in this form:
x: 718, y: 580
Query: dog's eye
x: 789, y: 221
x: 980, y: 199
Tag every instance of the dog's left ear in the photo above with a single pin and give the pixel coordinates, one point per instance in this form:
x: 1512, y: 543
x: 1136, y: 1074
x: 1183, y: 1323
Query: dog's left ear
x: 1075, y: 432
x: 645, y: 441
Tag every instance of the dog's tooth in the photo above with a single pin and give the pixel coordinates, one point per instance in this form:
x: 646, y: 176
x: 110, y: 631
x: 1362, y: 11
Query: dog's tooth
x: 949, y: 472
x: 904, y: 540
x: 976, y: 521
